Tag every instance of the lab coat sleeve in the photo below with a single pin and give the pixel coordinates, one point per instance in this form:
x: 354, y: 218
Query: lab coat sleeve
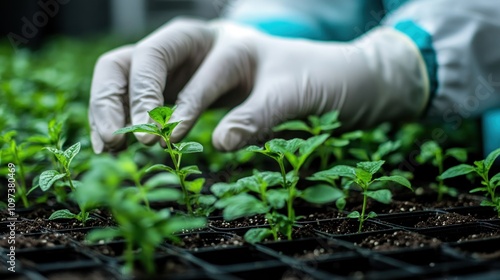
x: 465, y: 36
x: 339, y: 20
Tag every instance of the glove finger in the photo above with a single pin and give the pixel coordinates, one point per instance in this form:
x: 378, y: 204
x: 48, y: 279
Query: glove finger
x: 180, y: 42
x: 108, y: 99
x: 253, y: 120
x: 227, y: 67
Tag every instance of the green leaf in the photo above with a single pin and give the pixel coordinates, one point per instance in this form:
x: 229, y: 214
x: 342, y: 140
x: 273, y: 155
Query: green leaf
x: 370, y: 166
x: 206, y: 200
x: 341, y: 171
x: 242, y: 205
x: 254, y: 148
x: 457, y: 153
x: 178, y: 224
x: 105, y: 234
x: 196, y: 185
x: 488, y: 203
x: 396, y: 179
x: 352, y: 135
x: 340, y: 203
x: 360, y: 154
x: 428, y: 151
x: 189, y: 147
x: 371, y: 215
x: 168, y: 128
x: 148, y: 128
x: 161, y: 167
x: 48, y: 178
x: 161, y: 115
x: 278, y: 145
x: 191, y: 169
x: 337, y: 142
x: 354, y: 215
x: 364, y: 176
x: 328, y: 118
x: 495, y: 179
x: 490, y: 159
x: 321, y: 194
x: 382, y: 196
x: 310, y: 145
x: 222, y: 189
x: 294, y: 125
x: 256, y: 235
x: 386, y: 148
x: 277, y: 198
x: 163, y: 194
x: 161, y: 179
x: 59, y: 155
x: 71, y: 152
x: 458, y: 170
x: 481, y: 189
x: 62, y: 214
x: 324, y: 176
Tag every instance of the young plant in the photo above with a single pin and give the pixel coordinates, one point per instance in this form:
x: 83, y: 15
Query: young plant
x: 481, y: 169
x: 431, y: 152
x: 362, y: 176
x: 296, y: 152
x: 15, y: 155
x: 140, y: 227
x: 317, y: 125
x: 191, y: 190
x: 254, y: 195
x: 49, y: 177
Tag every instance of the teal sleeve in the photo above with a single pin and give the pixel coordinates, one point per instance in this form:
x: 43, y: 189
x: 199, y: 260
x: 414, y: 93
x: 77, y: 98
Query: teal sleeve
x: 339, y: 20
x: 491, y: 131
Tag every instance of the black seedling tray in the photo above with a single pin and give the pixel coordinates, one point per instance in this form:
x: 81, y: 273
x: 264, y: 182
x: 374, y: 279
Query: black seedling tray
x: 353, y: 225
x: 276, y: 271
x: 54, y: 259
x: 306, y: 249
x: 456, y: 233
x: 481, y: 213
x: 482, y: 250
x: 408, y: 220
x: 208, y: 237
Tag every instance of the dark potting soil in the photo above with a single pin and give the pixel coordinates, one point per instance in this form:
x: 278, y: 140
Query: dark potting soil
x: 83, y: 274
x: 345, y: 227
x: 322, y: 216
x: 196, y: 241
x: 45, y: 240
x: 479, y: 236
x: 445, y: 220
x: 257, y: 220
x: 398, y: 239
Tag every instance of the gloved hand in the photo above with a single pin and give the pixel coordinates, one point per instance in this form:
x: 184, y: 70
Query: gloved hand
x: 379, y: 77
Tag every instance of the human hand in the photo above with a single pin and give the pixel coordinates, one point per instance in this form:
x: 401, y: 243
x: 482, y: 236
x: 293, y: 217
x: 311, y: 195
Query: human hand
x: 379, y: 77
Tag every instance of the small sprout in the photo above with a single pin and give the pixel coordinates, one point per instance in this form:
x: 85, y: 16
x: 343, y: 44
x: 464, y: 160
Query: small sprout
x: 480, y: 169
x: 362, y: 175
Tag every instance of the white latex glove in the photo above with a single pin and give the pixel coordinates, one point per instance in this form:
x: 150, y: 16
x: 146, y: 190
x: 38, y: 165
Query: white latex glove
x: 379, y: 77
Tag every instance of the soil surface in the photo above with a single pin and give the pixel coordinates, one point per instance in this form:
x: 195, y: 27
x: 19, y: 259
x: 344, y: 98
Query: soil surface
x: 254, y: 221
x: 481, y: 235
x: 345, y: 226
x: 445, y: 220
x: 196, y: 241
x: 398, y: 239
x: 45, y: 240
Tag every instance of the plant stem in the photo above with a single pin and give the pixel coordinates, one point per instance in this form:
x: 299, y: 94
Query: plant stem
x: 439, y: 160
x: 141, y: 190
x: 362, y: 218
x: 21, y: 187
x: 177, y: 163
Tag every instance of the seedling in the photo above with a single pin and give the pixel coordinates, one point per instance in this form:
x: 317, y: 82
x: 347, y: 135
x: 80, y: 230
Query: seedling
x: 431, y: 152
x: 11, y: 149
x: 141, y: 227
x: 191, y: 190
x: 481, y: 169
x: 323, y: 124
x: 296, y: 152
x: 254, y: 195
x: 362, y: 176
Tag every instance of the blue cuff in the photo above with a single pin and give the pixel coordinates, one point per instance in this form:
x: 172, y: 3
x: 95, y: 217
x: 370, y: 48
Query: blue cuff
x: 491, y: 131
x: 423, y: 40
